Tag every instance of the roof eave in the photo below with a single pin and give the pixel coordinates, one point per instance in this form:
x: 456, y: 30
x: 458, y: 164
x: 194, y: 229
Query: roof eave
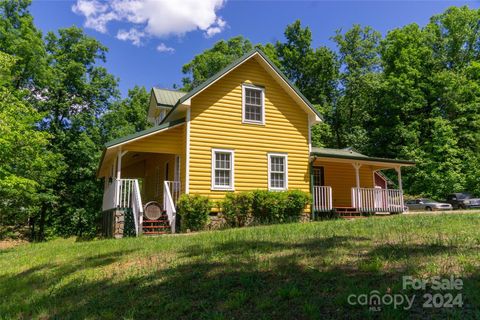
x: 371, y: 159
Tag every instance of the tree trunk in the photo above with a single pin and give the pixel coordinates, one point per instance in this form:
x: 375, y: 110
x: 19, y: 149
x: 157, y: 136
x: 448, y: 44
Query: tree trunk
x: 31, y: 222
x: 41, y: 224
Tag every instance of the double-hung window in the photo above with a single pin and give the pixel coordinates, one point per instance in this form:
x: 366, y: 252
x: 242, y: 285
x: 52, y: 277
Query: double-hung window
x: 222, y: 169
x: 277, y: 171
x: 253, y: 109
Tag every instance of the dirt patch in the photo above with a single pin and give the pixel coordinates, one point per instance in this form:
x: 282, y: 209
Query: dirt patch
x: 7, y: 244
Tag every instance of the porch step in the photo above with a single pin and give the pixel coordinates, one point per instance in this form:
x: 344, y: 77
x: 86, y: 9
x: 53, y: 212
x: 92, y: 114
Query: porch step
x: 348, y: 212
x: 155, y: 232
x: 156, y: 227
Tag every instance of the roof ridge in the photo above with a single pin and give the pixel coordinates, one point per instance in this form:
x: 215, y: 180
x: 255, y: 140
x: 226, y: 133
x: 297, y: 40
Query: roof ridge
x: 167, y: 89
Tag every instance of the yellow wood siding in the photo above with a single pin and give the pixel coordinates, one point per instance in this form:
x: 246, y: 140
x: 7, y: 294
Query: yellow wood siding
x: 341, y: 177
x: 154, y: 151
x: 169, y: 141
x: 216, y: 122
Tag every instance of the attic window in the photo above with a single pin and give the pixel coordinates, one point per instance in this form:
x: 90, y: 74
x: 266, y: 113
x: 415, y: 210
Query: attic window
x: 161, y: 116
x: 253, y: 104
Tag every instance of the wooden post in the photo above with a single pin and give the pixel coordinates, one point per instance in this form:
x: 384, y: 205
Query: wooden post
x: 399, y: 174
x: 400, y: 187
x: 357, y: 166
x: 312, y: 191
x: 118, y: 177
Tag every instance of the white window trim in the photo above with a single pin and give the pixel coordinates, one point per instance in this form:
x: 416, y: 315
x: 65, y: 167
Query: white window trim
x: 232, y: 178
x: 285, y: 156
x: 243, y: 104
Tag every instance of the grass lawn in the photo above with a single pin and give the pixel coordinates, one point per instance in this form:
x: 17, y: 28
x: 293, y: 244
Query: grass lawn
x: 291, y: 271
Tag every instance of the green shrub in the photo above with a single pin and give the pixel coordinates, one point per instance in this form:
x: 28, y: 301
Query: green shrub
x: 194, y: 211
x: 237, y: 209
x: 275, y: 207
x: 295, y: 204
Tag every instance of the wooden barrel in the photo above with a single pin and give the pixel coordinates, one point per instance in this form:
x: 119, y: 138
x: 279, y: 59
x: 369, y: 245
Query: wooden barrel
x: 153, y: 210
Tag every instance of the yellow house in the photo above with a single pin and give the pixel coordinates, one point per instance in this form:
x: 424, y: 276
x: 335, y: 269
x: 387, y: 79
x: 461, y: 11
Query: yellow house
x: 247, y: 127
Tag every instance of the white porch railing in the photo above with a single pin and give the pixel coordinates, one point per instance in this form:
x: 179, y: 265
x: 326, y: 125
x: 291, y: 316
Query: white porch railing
x: 169, y: 203
x: 174, y: 187
x: 137, y: 207
x: 125, y: 194
x: 377, y: 200
x: 322, y: 198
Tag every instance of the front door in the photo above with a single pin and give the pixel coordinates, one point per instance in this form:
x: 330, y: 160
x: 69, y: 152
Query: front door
x: 318, y: 176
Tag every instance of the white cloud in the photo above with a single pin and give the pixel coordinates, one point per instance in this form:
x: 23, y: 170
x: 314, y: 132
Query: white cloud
x: 133, y: 35
x: 217, y: 27
x: 153, y: 18
x: 163, y: 48
x: 96, y: 14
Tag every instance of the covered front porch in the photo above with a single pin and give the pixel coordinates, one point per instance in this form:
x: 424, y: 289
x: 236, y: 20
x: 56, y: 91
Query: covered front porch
x: 143, y: 178
x: 345, y: 180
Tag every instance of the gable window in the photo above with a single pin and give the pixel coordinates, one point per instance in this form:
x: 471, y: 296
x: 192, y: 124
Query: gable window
x: 253, y: 110
x: 277, y: 171
x: 222, y: 169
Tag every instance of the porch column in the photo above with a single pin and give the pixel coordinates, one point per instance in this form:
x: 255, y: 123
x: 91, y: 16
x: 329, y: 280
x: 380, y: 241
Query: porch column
x: 120, y: 155
x: 400, y: 187
x: 399, y: 174
x: 357, y: 166
x: 356, y: 199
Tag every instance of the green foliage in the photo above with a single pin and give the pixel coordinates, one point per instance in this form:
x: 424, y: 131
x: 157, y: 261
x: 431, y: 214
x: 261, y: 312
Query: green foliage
x: 21, y: 39
x: 194, y: 211
x: 127, y: 116
x: 313, y: 71
x: 295, y: 204
x: 26, y: 164
x: 209, y: 62
x: 237, y: 208
x: 360, y: 81
x: 278, y: 207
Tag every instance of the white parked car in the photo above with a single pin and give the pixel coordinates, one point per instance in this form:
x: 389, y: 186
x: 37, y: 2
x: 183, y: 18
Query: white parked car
x: 424, y: 204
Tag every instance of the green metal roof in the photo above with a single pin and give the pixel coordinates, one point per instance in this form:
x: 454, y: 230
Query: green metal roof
x: 145, y: 132
x: 348, y: 153
x: 231, y: 66
x: 167, y: 97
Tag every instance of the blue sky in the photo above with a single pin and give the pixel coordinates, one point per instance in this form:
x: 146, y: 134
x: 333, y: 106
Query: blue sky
x: 159, y: 38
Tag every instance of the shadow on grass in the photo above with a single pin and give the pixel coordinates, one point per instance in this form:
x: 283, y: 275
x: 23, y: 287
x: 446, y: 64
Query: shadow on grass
x: 231, y: 280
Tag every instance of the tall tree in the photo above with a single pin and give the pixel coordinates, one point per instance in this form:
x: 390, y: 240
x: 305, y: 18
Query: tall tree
x: 20, y: 38
x: 360, y: 81
x: 209, y: 62
x: 429, y: 108
x: 27, y: 167
x: 77, y: 92
x: 313, y: 71
x: 127, y: 116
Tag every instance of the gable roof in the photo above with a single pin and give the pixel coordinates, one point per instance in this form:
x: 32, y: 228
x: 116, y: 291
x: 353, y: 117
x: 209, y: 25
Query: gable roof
x: 349, y: 153
x: 167, y: 97
x: 235, y: 64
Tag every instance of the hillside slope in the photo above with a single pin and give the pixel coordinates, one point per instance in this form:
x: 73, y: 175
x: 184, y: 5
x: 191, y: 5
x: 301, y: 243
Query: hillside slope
x: 292, y: 271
